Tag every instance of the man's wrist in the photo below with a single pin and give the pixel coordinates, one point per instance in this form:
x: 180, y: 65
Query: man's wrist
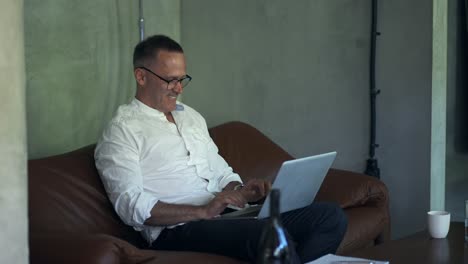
x: 231, y: 185
x: 238, y: 187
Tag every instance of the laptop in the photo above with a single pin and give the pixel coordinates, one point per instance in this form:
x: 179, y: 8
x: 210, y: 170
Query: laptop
x: 298, y: 181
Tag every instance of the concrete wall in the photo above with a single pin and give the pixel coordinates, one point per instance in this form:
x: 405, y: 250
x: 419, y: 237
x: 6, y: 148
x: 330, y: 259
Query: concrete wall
x: 79, y: 65
x: 13, y: 189
x: 299, y: 73
x: 404, y: 71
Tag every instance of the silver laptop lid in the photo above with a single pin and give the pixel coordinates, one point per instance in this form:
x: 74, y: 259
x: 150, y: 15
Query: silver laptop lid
x: 299, y: 181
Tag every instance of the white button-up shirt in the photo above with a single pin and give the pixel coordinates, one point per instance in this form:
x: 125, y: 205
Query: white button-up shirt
x: 143, y: 158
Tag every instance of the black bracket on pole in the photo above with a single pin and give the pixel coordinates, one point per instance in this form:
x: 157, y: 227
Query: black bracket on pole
x: 372, y: 168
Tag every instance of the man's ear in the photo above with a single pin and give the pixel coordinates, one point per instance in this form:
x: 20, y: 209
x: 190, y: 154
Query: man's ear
x: 139, y: 76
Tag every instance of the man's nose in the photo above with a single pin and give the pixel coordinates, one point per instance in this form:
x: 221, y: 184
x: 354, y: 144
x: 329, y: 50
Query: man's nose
x: 178, y: 88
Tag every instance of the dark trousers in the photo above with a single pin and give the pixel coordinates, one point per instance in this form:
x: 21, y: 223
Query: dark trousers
x: 316, y: 230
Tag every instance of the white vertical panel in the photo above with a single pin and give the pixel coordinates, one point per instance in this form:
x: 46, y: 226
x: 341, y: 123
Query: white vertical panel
x: 13, y: 179
x: 439, y: 104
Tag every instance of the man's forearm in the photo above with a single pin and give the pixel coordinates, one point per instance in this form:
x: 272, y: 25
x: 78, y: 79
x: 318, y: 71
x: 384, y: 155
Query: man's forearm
x: 164, y: 214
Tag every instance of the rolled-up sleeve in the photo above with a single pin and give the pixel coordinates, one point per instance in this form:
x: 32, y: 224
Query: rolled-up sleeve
x: 117, y: 160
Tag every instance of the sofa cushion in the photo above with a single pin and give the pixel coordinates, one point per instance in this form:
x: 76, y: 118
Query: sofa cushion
x: 100, y: 248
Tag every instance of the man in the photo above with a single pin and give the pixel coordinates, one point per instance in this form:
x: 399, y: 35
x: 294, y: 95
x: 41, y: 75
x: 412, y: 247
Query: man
x: 163, y: 174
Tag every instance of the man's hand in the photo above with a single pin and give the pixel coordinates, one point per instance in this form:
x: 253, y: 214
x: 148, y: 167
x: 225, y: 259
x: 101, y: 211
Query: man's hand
x: 255, y: 190
x: 252, y: 191
x: 221, y: 201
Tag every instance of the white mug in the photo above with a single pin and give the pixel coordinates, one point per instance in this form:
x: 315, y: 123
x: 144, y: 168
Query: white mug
x: 438, y: 223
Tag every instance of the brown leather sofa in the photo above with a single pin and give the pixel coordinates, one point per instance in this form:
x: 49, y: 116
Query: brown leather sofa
x: 72, y: 221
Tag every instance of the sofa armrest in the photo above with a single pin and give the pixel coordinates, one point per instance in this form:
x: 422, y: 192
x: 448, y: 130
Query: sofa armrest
x: 86, y: 248
x: 105, y: 249
x: 351, y: 189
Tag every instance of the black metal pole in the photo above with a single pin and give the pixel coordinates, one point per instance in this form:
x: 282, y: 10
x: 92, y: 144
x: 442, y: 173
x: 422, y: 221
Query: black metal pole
x: 141, y: 20
x: 372, y: 164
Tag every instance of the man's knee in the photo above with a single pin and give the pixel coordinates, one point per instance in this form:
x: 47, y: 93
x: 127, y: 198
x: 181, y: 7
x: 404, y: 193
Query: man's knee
x: 334, y: 216
x: 341, y: 218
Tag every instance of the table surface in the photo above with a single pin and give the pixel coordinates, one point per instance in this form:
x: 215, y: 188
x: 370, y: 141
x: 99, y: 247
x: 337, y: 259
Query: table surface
x: 421, y: 248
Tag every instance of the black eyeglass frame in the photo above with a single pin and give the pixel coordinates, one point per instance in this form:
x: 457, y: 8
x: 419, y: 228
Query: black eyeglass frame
x: 171, y: 81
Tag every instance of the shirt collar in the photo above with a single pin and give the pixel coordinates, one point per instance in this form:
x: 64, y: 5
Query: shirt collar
x: 148, y: 110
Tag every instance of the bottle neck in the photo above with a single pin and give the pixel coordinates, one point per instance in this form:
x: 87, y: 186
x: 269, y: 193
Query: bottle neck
x: 466, y: 209
x: 275, y: 204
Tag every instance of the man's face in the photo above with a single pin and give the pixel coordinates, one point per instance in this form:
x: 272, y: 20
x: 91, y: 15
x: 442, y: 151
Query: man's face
x: 155, y: 93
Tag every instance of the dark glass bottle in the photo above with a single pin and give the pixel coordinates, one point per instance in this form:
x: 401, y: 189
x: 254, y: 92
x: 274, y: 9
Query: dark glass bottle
x: 274, y: 248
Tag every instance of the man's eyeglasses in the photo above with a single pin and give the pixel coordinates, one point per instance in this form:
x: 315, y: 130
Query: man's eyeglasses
x: 171, y: 84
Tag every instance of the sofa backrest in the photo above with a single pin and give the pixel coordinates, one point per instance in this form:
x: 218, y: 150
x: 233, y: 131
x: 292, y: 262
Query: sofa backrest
x: 249, y: 152
x: 66, y: 196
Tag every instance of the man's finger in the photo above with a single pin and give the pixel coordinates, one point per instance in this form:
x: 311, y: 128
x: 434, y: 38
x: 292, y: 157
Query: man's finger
x: 260, y: 187
x: 235, y: 201
x: 267, y: 186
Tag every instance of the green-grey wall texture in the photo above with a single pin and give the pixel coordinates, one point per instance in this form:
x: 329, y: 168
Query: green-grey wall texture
x: 79, y: 65
x: 13, y: 189
x: 298, y: 71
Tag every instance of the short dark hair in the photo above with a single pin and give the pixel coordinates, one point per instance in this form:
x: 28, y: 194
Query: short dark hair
x: 149, y: 48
